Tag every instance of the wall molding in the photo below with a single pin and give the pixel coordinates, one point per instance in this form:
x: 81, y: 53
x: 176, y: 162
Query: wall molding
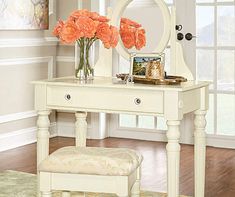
x: 30, y: 60
x: 15, y: 139
x: 17, y: 116
x: 28, y: 42
x: 67, y: 129
x: 65, y: 59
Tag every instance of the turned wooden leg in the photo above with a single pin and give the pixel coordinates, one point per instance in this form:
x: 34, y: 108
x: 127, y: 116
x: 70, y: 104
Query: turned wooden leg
x: 135, y: 191
x: 43, y: 124
x: 199, y: 152
x: 81, y: 128
x: 173, y: 158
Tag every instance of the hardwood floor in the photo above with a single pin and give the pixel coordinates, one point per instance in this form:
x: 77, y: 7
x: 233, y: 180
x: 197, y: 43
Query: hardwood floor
x: 220, y: 164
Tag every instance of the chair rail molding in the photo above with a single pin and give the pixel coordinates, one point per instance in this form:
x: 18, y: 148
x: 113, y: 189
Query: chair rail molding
x: 30, y: 60
x: 17, y: 116
x: 22, y: 137
x: 65, y: 59
x: 28, y: 42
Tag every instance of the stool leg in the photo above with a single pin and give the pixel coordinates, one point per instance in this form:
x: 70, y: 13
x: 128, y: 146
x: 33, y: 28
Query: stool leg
x: 66, y: 194
x: 46, y: 194
x: 135, y: 190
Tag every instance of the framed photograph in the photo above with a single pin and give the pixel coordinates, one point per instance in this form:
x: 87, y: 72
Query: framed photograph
x: 148, y: 65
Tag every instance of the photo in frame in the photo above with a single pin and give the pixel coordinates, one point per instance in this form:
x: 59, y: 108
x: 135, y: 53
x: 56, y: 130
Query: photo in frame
x: 148, y: 65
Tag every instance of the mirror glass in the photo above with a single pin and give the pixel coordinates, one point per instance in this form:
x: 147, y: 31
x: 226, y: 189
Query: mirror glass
x: 148, y: 14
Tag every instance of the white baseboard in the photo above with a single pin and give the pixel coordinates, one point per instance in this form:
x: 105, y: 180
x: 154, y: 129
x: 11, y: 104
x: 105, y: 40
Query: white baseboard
x: 159, y: 136
x: 66, y: 129
x: 22, y: 137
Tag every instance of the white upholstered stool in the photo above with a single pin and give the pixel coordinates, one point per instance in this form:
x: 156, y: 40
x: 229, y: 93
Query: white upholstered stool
x: 91, y: 169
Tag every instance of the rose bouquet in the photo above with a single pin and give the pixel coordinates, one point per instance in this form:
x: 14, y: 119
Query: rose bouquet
x: 85, y: 27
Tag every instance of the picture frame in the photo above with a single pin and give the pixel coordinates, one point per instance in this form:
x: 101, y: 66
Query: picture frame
x: 147, y: 65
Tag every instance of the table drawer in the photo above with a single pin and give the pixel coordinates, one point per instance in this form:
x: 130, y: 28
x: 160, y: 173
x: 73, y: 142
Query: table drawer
x: 106, y: 99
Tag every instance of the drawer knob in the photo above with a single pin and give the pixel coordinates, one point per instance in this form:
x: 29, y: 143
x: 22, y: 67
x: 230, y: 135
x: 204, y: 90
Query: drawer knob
x: 67, y: 97
x: 137, y: 101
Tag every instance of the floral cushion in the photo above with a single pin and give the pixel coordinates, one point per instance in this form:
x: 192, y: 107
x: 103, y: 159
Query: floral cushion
x: 92, y: 160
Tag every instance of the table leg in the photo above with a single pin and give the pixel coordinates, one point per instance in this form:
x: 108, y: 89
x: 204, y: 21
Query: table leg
x: 173, y: 158
x: 43, y: 124
x: 81, y: 128
x: 199, y: 152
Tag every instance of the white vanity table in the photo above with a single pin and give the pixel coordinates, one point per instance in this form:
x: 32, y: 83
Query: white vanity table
x: 102, y: 95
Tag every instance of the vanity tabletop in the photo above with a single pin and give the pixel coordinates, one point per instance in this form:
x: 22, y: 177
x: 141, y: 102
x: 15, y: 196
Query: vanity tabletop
x: 113, y: 82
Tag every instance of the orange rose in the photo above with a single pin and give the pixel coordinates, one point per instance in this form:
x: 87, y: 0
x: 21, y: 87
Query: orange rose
x: 69, y: 32
x: 140, y: 39
x: 113, y: 40
x: 78, y: 13
x: 130, y: 22
x: 58, y: 28
x: 87, y: 26
x: 103, y: 32
x: 127, y: 34
x: 114, y: 36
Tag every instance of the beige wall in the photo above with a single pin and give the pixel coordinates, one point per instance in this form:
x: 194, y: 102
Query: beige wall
x: 26, y: 56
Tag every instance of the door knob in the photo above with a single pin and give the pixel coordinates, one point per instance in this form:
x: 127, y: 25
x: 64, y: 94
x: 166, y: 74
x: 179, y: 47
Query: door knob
x: 189, y: 36
x: 180, y: 36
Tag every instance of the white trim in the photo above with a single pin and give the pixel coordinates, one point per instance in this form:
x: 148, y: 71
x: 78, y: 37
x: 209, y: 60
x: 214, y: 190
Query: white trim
x: 148, y: 135
x: 67, y: 129
x: 28, y: 42
x: 79, y: 4
x: 17, y: 116
x: 30, y: 60
x: 51, y: 7
x: 65, y: 59
x: 221, y: 141
x: 22, y: 137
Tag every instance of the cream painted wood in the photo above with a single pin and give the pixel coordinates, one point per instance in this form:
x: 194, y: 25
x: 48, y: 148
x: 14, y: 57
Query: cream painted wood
x: 105, y: 95
x: 81, y: 128
x: 135, y: 191
x: 66, y: 194
x: 120, y: 185
x: 43, y: 124
x: 173, y: 157
x: 115, y: 20
x: 200, y: 151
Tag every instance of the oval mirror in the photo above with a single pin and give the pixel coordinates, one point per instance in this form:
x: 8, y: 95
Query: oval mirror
x: 154, y: 17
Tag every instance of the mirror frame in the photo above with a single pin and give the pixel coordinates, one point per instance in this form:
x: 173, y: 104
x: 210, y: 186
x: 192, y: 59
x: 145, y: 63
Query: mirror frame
x: 115, y: 21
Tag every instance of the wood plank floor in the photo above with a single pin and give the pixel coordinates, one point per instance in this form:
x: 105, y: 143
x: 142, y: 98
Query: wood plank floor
x: 220, y: 164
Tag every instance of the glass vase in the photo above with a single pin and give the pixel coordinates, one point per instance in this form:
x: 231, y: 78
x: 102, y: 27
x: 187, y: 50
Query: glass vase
x: 84, y: 70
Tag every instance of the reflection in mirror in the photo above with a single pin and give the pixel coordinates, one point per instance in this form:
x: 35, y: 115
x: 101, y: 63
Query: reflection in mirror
x: 148, y: 14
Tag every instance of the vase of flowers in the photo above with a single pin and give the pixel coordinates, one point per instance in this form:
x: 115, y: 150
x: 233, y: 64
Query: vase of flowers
x: 85, y: 27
